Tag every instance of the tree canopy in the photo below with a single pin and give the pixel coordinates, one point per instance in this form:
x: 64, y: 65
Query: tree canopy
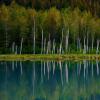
x: 17, y: 22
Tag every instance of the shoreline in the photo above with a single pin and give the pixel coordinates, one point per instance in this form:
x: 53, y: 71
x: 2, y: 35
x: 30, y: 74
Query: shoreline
x: 30, y: 57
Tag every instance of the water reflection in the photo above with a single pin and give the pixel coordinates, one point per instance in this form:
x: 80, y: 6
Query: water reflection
x: 44, y: 80
x: 97, y: 64
x: 66, y: 71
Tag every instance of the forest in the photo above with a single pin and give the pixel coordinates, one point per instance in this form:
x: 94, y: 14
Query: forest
x: 49, y: 26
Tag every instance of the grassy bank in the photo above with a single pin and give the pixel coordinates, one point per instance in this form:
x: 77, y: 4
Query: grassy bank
x: 25, y: 57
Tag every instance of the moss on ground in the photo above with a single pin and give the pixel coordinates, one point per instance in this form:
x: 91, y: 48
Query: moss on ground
x: 25, y: 57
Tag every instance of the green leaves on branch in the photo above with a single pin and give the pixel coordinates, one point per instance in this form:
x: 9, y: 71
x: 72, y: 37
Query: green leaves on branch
x: 20, y: 22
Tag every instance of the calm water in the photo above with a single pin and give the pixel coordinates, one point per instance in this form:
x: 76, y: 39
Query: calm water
x: 50, y: 80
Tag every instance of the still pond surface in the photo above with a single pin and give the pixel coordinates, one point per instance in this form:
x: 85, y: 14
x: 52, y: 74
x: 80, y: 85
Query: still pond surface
x: 50, y: 80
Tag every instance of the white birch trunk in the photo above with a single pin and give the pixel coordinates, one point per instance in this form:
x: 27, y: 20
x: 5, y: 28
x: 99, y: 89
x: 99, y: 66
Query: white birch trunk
x: 34, y: 38
x: 21, y: 46
x: 13, y: 47
x: 42, y: 43
x: 87, y: 43
x: 16, y: 50
x: 84, y: 51
x: 67, y: 38
x: 92, y: 42
x: 97, y: 51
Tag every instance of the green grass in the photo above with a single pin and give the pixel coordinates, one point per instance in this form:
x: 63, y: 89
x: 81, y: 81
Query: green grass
x: 24, y: 57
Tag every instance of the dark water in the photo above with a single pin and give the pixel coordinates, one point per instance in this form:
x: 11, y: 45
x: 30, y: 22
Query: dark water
x: 49, y: 80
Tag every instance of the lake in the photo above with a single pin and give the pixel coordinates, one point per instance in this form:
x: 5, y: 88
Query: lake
x: 50, y: 80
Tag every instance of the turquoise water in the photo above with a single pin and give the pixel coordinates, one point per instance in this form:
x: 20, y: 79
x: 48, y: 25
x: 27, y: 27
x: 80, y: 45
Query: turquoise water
x: 50, y: 80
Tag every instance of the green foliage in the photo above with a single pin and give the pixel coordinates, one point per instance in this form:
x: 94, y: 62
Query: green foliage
x: 53, y: 21
x: 90, y: 5
x: 20, y: 21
